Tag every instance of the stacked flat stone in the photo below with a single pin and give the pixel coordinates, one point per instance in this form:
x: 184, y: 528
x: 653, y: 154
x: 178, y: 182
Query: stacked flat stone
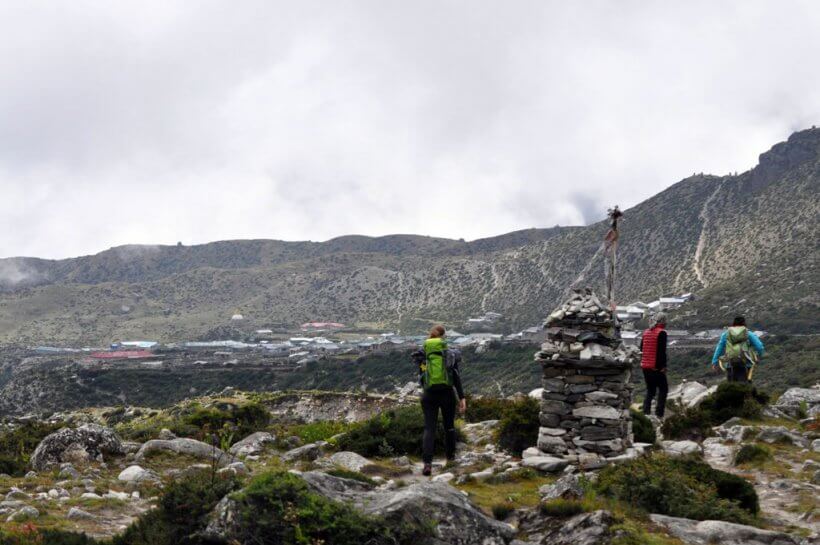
x: 586, y: 379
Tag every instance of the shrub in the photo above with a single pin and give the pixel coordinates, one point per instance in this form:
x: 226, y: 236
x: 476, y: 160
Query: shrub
x: 690, y: 423
x: 518, y: 428
x: 17, y: 445
x: 642, y: 428
x: 391, y: 433
x: 480, y: 409
x: 730, y: 399
x: 242, y: 421
x: 680, y: 487
x: 278, y: 508
x: 752, y: 453
x: 320, y: 431
x: 183, y: 509
x: 734, y: 399
x: 560, y: 507
x: 502, y: 510
x: 29, y: 534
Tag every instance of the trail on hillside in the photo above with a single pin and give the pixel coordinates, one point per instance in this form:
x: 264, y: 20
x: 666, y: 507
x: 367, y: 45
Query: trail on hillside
x: 400, y: 298
x: 493, y: 288
x: 704, y: 216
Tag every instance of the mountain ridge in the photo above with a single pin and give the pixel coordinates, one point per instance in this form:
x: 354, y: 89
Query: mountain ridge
x: 751, y: 235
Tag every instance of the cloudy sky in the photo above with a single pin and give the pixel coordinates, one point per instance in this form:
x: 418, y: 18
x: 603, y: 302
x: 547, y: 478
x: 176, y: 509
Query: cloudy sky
x: 158, y: 122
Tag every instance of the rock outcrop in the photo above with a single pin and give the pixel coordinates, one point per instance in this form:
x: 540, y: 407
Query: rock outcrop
x: 796, y: 400
x: 456, y: 520
x: 188, y: 447
x: 89, y: 442
x: 705, y: 532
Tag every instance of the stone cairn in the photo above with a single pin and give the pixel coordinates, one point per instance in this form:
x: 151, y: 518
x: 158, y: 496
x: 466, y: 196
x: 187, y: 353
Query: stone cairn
x: 586, y: 379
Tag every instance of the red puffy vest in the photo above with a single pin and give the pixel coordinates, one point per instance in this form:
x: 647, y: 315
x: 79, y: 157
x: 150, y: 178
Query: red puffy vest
x: 650, y: 347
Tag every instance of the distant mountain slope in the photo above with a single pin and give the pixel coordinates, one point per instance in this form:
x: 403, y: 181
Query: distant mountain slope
x: 745, y: 243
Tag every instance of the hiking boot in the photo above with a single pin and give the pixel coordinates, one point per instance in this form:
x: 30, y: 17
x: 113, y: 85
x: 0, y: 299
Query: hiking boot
x: 427, y: 470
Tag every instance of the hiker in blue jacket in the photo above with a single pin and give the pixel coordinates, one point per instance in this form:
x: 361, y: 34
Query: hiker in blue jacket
x: 738, y: 350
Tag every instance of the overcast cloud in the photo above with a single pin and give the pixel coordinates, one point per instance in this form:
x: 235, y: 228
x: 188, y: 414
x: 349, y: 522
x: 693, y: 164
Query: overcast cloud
x: 157, y: 122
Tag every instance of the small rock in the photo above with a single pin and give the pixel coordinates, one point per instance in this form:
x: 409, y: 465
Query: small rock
x: 307, y: 452
x: 166, y: 434
x: 443, y: 478
x: 24, y: 513
x: 349, y: 460
x: 137, y: 474
x: 781, y: 434
x: 567, y: 487
x: 75, y: 513
x: 547, y: 464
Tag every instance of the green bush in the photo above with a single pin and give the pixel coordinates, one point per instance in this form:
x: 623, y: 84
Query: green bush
x: 731, y: 399
x: 321, y: 430
x: 502, y: 510
x: 182, y: 511
x: 391, y: 433
x: 30, y: 535
x: 752, y: 453
x: 480, y: 409
x: 518, y: 428
x: 642, y: 428
x: 17, y: 445
x: 690, y: 423
x: 734, y: 399
x: 680, y: 487
x: 242, y: 421
x: 278, y: 509
x: 560, y: 507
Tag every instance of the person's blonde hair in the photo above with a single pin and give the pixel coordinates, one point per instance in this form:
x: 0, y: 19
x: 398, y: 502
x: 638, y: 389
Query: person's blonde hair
x: 437, y: 332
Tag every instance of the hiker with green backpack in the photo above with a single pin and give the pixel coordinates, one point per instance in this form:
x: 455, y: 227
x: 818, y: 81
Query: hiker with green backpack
x: 737, y: 352
x: 441, y: 380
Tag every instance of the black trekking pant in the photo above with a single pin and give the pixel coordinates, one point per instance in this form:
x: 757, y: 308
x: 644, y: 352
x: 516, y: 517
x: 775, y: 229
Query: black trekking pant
x: 737, y: 373
x: 655, y: 382
x: 431, y: 401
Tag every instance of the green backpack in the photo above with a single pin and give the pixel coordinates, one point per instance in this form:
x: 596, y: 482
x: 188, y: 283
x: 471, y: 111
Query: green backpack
x: 434, y: 370
x: 738, y: 349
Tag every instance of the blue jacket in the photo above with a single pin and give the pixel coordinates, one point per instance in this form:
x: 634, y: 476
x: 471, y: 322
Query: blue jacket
x: 754, y: 340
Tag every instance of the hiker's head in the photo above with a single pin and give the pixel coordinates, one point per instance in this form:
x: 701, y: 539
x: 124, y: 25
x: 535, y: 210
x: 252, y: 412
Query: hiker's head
x: 739, y: 320
x: 437, y: 332
x: 660, y: 318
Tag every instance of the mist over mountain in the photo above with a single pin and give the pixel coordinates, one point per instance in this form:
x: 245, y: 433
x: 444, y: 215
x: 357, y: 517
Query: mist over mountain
x: 743, y: 243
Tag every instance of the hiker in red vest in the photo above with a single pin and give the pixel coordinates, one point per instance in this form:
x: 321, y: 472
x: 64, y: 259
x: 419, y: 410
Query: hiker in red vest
x: 653, y: 363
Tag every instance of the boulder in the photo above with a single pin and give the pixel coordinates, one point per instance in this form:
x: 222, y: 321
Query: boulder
x: 75, y: 513
x: 307, y: 452
x: 188, y: 447
x: 83, y: 444
x: 479, y: 432
x: 815, y: 445
x: 567, y: 487
x: 794, y: 399
x: 547, y: 464
x: 136, y: 474
x: 705, y: 532
x: 349, y: 460
x: 24, y: 513
x: 680, y: 448
x: 716, y: 454
x: 781, y: 434
x: 252, y: 445
x: 585, y: 529
x: 454, y: 519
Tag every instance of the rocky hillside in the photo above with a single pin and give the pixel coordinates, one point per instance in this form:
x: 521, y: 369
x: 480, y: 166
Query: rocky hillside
x: 744, y: 243
x: 290, y: 468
